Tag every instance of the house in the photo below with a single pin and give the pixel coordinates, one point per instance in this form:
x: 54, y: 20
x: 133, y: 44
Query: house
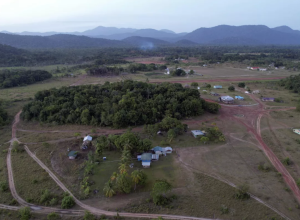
x: 204, y: 65
x: 239, y: 97
x: 86, y: 141
x: 226, y: 99
x: 72, y: 155
x: 168, y: 150
x: 254, y: 68
x: 255, y: 92
x: 159, y: 150
x: 262, y: 69
x: 265, y: 99
x: 146, y: 159
x: 155, y: 156
x: 246, y: 92
x: 167, y: 71
x: 297, y: 131
x: 218, y: 87
x: 198, y: 87
x: 197, y: 133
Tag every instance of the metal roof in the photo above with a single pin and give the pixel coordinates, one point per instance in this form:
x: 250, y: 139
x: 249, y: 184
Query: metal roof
x: 72, y: 153
x: 227, y: 98
x: 146, y: 156
x: 88, y: 138
x: 197, y: 132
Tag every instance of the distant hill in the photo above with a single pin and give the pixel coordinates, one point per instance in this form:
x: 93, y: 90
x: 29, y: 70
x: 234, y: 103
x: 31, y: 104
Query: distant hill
x: 286, y: 29
x: 105, y: 31
x: 145, y: 42
x: 254, y: 33
x: 152, y: 33
x: 57, y: 41
x: 10, y: 56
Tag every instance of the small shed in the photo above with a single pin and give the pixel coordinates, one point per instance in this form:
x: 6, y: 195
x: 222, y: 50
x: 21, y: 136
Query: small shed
x: 239, y: 97
x: 155, y: 156
x: 139, y: 157
x: 72, y: 155
x: 255, y: 92
x: 297, y: 131
x: 218, y: 87
x: 168, y: 150
x: 146, y: 159
x: 266, y: 99
x: 197, y: 133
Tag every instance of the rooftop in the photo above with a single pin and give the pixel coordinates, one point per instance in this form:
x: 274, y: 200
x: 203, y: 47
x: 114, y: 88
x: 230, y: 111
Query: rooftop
x: 197, y: 132
x: 146, y: 156
x: 72, y: 153
x: 227, y: 98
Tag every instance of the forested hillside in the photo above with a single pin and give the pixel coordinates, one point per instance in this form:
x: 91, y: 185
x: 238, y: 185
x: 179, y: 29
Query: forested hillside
x: 12, y: 78
x: 119, y: 104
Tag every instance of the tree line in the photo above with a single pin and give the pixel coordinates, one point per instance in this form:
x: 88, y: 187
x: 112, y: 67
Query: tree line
x: 13, y: 78
x: 119, y: 104
x: 291, y: 83
x: 3, y: 115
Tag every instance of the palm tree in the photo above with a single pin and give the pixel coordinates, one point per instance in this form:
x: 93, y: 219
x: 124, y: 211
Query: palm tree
x: 113, y: 176
x: 136, y: 177
x: 126, y: 156
x: 109, y: 189
x: 123, y: 168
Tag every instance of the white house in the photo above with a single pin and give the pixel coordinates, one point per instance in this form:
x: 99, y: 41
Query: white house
x: 197, y: 133
x: 168, y: 150
x: 87, y: 138
x: 297, y: 131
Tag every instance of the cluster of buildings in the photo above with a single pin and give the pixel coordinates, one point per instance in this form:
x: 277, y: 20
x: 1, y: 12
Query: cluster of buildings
x: 153, y: 155
x: 256, y: 68
x: 86, y: 142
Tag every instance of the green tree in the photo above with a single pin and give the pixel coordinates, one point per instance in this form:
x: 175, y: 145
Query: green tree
x: 77, y: 134
x: 123, y: 183
x: 191, y: 72
x: 241, y: 85
x: 85, y: 117
x: 159, y: 192
x: 138, y: 177
x: 242, y: 192
x: 194, y: 84
x: 204, y: 139
x: 67, y: 202
x: 171, y: 135
x: 109, y: 189
x: 25, y: 213
x: 231, y: 88
x: 287, y: 161
x: 208, y: 86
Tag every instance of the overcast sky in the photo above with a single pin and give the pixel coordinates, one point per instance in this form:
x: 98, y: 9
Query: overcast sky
x: 176, y: 15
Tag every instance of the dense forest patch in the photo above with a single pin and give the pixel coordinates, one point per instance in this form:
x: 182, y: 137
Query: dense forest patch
x: 9, y: 78
x: 291, y: 83
x: 3, y: 115
x: 119, y: 104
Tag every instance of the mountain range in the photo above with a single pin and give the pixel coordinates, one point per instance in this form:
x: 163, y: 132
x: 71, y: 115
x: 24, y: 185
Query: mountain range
x: 148, y: 38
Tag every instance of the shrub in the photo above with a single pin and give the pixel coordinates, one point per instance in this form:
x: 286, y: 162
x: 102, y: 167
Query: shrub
x: 53, y: 201
x: 45, y: 196
x: 242, y: 192
x: 264, y: 167
x: 52, y: 216
x: 224, y: 210
x: 88, y: 216
x: 287, y: 161
x: 231, y: 88
x: 25, y: 213
x: 3, y: 186
x: 241, y: 85
x: 67, y: 202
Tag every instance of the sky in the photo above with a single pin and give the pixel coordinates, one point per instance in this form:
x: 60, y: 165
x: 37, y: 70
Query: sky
x: 175, y: 15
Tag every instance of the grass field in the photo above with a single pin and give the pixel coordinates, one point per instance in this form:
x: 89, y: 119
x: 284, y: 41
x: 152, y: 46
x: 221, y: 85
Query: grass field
x: 31, y: 187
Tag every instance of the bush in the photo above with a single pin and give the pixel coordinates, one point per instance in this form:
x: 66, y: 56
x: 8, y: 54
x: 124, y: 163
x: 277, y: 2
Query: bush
x: 53, y: 202
x: 224, y: 210
x: 45, y: 196
x: 88, y: 216
x: 241, y: 85
x: 287, y: 161
x: 25, y: 213
x: 67, y: 202
x: 264, y: 167
x: 3, y: 186
x: 52, y: 216
x: 231, y: 88
x: 242, y: 192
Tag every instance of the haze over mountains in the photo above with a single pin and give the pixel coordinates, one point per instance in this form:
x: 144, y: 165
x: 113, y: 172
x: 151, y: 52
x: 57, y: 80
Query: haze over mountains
x: 120, y: 37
